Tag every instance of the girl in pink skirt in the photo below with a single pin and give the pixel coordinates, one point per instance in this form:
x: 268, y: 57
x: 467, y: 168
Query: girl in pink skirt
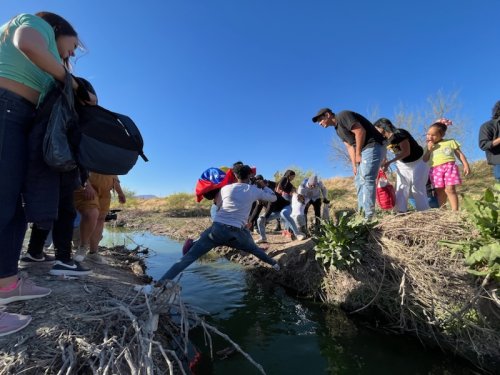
x: 440, y: 155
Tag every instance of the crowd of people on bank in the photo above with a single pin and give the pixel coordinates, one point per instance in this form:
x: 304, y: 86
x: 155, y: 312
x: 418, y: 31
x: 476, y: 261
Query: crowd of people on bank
x: 34, y: 55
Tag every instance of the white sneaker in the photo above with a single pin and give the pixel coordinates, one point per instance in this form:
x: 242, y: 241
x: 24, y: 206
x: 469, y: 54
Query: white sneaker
x: 301, y: 237
x: 261, y: 240
x: 96, y: 258
x: 277, y: 267
x: 80, y: 254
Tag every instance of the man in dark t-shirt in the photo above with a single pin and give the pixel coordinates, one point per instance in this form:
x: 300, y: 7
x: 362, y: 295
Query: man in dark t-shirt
x: 364, y: 145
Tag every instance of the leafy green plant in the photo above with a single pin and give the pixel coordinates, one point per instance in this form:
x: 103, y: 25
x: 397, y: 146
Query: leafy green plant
x: 482, y: 254
x: 340, y: 245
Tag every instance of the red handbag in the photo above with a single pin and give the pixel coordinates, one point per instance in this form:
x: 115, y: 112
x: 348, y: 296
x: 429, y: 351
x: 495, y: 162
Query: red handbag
x: 385, y: 193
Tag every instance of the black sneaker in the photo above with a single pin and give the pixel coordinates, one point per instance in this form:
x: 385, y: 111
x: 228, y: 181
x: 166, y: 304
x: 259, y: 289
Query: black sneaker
x: 28, y: 258
x: 69, y: 268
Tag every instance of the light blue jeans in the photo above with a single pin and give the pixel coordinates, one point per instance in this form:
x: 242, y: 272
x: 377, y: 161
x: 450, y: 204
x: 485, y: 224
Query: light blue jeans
x: 496, y: 172
x: 288, y: 220
x: 365, y: 179
x: 218, y: 235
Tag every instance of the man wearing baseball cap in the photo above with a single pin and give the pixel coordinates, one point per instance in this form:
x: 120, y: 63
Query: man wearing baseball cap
x: 364, y: 145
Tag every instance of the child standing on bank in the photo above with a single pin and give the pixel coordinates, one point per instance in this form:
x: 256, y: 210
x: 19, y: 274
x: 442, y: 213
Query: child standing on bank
x: 440, y: 155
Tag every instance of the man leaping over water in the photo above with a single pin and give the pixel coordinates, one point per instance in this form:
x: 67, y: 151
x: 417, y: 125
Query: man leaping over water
x: 230, y: 223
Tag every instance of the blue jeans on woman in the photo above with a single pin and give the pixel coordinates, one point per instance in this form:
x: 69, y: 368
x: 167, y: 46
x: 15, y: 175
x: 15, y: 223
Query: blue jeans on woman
x: 218, y: 235
x: 496, y: 172
x: 16, y: 118
x: 288, y: 220
x: 366, y: 177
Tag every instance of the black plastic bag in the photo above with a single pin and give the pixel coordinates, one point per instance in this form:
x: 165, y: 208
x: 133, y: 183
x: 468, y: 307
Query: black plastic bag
x: 57, y: 151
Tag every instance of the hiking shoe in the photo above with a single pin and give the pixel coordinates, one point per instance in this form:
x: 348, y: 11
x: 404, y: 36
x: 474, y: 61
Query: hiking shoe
x: 187, y: 245
x: 80, y: 254
x: 28, y: 258
x: 277, y: 267
x: 96, y: 258
x: 10, y: 323
x: 25, y: 289
x: 301, y: 237
x: 70, y: 268
x: 261, y: 240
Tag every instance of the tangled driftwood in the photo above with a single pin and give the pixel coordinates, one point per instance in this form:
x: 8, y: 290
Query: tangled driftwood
x: 104, y: 326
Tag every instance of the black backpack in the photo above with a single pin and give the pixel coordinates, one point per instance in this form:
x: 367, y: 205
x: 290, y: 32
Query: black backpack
x: 106, y: 142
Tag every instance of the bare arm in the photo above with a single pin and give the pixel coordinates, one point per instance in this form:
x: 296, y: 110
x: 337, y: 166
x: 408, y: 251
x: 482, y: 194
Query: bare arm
x: 31, y: 43
x: 360, y: 135
x: 464, y: 161
x: 405, y: 152
x: 428, y: 151
x: 351, y: 152
x: 118, y: 188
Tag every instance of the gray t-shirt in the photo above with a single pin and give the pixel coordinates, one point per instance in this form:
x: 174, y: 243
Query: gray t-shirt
x: 237, y: 202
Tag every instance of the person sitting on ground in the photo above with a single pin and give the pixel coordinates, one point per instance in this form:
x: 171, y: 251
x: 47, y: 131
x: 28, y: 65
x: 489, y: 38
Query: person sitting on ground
x: 412, y: 172
x: 314, y: 193
x: 230, y: 226
x: 93, y: 201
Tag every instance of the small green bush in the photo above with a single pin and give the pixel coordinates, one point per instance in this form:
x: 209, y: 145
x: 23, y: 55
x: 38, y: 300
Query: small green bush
x: 340, y: 245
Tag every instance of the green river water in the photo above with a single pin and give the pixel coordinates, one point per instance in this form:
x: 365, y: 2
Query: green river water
x: 284, y: 334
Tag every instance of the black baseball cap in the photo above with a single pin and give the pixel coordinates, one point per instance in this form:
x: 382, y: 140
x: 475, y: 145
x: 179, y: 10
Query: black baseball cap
x: 320, y: 113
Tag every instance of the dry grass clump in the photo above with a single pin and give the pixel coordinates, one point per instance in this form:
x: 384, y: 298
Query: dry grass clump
x: 418, y: 286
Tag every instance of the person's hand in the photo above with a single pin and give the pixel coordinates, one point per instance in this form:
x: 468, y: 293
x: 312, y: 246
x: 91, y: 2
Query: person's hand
x: 466, y: 170
x: 355, y: 169
x: 357, y: 158
x: 121, y: 198
x: 430, y: 145
x: 88, y: 192
x: 385, y: 166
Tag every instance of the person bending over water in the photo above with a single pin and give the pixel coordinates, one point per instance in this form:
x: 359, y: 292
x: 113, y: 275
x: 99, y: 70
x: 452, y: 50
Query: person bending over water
x: 230, y: 223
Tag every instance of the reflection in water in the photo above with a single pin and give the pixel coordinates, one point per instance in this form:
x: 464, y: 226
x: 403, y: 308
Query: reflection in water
x: 285, y: 335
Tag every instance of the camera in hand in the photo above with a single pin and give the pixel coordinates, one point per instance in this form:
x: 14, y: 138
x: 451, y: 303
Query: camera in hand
x: 111, y: 215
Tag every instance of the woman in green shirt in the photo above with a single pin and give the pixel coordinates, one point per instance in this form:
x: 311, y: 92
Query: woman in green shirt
x: 34, y: 53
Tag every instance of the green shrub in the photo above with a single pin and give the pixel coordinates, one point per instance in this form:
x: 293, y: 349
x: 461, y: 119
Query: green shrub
x: 340, y: 245
x: 482, y: 254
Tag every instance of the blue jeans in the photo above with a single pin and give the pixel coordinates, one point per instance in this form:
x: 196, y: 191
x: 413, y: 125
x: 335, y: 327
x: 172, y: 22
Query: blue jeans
x: 496, y: 172
x: 16, y: 117
x: 288, y: 220
x: 262, y: 221
x: 218, y: 235
x: 366, y: 177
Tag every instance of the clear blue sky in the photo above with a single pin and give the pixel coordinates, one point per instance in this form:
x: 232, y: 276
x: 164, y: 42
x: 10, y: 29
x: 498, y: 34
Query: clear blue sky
x: 211, y: 82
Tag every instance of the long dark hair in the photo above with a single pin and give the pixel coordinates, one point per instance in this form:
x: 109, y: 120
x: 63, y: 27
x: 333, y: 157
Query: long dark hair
x: 386, y: 125
x: 61, y: 27
x: 288, y: 174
